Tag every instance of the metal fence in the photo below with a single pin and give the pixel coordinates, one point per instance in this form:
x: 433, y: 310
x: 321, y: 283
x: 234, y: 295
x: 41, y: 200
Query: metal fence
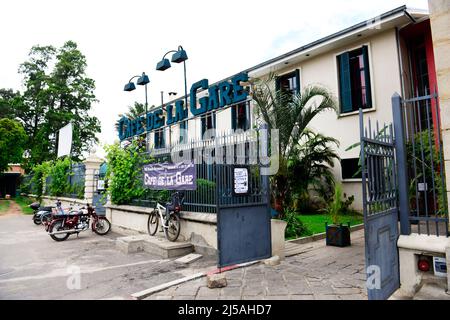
x: 214, y: 160
x: 75, y: 183
x: 427, y: 196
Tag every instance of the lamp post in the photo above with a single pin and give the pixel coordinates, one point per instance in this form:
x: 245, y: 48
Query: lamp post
x: 178, y: 56
x: 142, y: 80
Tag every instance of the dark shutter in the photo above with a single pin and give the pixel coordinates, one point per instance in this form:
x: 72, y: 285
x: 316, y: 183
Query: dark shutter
x: 365, y: 52
x: 297, y: 80
x: 345, y: 85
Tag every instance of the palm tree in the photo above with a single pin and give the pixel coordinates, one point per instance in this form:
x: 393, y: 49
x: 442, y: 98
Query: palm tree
x: 305, y: 156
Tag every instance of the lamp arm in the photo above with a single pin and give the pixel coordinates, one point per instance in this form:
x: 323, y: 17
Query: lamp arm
x: 168, y: 53
x: 133, y: 78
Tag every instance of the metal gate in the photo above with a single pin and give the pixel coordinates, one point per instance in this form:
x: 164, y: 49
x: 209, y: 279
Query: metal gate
x: 379, y: 183
x: 243, y: 205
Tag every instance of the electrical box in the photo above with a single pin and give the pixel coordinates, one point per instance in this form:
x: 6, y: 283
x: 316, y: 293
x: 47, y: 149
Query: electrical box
x: 440, y: 267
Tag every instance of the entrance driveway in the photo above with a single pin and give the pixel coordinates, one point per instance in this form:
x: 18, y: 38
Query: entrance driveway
x: 33, y: 266
x: 319, y: 273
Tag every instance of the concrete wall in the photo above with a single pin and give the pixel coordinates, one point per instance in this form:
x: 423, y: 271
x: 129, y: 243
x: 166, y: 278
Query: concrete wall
x: 440, y: 26
x: 197, y: 228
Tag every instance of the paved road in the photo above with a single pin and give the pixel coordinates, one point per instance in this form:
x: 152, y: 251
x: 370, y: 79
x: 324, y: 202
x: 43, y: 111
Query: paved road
x: 319, y: 273
x: 33, y: 266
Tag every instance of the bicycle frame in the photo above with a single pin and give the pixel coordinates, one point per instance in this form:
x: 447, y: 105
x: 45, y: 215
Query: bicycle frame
x: 161, y: 211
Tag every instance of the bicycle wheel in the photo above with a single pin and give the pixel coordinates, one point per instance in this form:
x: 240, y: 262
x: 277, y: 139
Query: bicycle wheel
x: 152, y: 224
x: 173, y: 227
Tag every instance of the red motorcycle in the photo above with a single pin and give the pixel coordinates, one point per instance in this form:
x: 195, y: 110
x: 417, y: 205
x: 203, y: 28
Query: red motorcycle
x: 63, y: 224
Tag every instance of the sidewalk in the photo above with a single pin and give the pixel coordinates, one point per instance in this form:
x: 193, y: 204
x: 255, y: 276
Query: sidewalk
x: 319, y: 273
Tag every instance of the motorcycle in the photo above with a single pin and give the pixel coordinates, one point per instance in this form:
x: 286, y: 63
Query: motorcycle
x: 63, y: 224
x: 41, y: 213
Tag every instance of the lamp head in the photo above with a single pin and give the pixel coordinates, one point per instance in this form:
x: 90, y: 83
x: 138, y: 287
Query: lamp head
x: 164, y: 64
x: 129, y: 87
x: 179, y: 56
x: 143, y: 80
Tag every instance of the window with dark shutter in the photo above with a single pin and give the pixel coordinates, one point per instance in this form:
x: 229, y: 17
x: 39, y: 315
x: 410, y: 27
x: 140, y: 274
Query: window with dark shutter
x: 354, y: 80
x: 289, y: 83
x: 350, y: 168
x: 240, y: 116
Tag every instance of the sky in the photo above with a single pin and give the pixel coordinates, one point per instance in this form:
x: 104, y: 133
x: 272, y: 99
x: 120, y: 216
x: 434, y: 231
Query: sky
x: 121, y: 39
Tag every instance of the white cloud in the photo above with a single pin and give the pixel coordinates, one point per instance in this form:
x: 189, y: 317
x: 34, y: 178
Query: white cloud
x: 123, y: 38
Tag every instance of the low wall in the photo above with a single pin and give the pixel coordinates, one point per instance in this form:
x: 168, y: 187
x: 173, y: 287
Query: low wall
x: 410, y: 248
x: 197, y: 228
x: 65, y: 202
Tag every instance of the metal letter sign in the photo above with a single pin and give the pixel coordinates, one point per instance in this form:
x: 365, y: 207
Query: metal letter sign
x: 170, y: 176
x: 240, y: 178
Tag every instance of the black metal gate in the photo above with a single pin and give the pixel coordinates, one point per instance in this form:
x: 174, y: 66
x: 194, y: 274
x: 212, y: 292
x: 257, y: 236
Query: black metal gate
x: 243, y: 205
x: 379, y: 182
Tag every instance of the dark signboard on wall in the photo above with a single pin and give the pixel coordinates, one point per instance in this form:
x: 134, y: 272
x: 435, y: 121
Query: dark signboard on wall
x: 170, y: 176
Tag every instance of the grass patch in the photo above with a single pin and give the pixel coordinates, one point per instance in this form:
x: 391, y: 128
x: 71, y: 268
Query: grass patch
x: 4, y: 205
x: 24, y: 203
x: 316, y: 222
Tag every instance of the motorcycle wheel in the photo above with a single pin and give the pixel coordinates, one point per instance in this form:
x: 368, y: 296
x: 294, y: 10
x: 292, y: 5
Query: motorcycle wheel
x: 46, y: 218
x: 173, y: 227
x: 57, y: 226
x: 102, y: 227
x: 37, y: 220
x: 152, y: 223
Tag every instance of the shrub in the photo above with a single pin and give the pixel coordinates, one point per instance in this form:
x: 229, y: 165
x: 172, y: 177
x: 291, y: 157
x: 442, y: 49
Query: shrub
x: 123, y: 173
x: 40, y: 173
x: 59, y: 172
x: 295, y: 227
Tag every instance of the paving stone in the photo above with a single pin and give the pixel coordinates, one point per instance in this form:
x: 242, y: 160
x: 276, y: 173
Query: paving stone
x: 183, y: 297
x: 352, y: 297
x: 234, y: 283
x: 253, y: 297
x: 230, y: 291
x: 186, y: 289
x: 207, y: 292
x: 253, y: 291
x: 277, y: 290
x: 325, y: 297
x: 188, y: 258
x: 302, y: 297
x: 342, y: 291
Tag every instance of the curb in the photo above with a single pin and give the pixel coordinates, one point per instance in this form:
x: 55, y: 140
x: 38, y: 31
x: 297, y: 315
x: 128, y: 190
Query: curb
x: 148, y: 292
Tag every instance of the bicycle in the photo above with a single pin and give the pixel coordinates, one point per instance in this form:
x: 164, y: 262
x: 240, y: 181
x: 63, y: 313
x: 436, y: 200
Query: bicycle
x: 168, y: 217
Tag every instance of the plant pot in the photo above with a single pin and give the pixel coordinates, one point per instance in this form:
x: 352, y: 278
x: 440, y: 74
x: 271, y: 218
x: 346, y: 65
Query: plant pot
x: 337, y: 235
x: 278, y: 227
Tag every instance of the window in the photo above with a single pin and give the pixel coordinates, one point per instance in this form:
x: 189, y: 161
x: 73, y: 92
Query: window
x: 240, y: 116
x: 289, y: 83
x: 350, y: 168
x: 159, y: 138
x: 208, y: 122
x: 354, y: 80
x: 183, y: 126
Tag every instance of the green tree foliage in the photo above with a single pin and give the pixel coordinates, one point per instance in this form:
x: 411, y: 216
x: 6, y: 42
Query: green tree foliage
x: 40, y: 173
x: 12, y: 142
x: 305, y: 157
x: 57, y: 91
x: 59, y: 173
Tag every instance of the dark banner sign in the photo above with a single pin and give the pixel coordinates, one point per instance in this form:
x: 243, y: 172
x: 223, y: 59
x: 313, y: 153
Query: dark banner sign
x: 170, y: 176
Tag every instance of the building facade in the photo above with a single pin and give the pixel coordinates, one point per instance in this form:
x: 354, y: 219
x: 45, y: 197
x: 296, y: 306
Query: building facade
x: 363, y: 66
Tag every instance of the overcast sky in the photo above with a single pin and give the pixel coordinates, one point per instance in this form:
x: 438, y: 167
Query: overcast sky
x: 121, y: 39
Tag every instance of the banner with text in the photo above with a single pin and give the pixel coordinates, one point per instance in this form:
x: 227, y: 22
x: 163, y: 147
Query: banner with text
x: 170, y: 176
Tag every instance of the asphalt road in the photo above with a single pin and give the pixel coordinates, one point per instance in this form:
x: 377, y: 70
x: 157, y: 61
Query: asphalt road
x: 33, y: 266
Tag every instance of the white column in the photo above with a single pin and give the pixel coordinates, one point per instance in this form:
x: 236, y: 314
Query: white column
x: 92, y: 164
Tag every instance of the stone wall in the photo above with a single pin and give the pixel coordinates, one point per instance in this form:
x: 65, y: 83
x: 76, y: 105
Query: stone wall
x: 440, y: 26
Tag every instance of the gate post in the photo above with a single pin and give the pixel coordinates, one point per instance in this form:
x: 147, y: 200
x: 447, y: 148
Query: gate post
x: 92, y: 164
x: 402, y: 165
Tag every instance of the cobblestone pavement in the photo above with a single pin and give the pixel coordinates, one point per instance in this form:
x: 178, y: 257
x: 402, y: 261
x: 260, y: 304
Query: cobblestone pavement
x: 319, y: 273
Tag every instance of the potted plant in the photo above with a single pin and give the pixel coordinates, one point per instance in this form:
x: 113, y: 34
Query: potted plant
x: 337, y: 234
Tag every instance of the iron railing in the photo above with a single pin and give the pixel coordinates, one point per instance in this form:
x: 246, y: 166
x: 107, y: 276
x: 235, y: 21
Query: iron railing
x: 427, y: 196
x: 214, y: 161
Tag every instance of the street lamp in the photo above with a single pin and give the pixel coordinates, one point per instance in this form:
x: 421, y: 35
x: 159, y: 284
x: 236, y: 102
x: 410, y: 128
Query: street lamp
x: 178, y: 56
x: 142, y: 80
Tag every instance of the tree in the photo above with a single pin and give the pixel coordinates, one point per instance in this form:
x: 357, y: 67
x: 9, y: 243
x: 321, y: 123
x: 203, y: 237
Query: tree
x: 57, y: 91
x: 12, y: 142
x: 305, y: 156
